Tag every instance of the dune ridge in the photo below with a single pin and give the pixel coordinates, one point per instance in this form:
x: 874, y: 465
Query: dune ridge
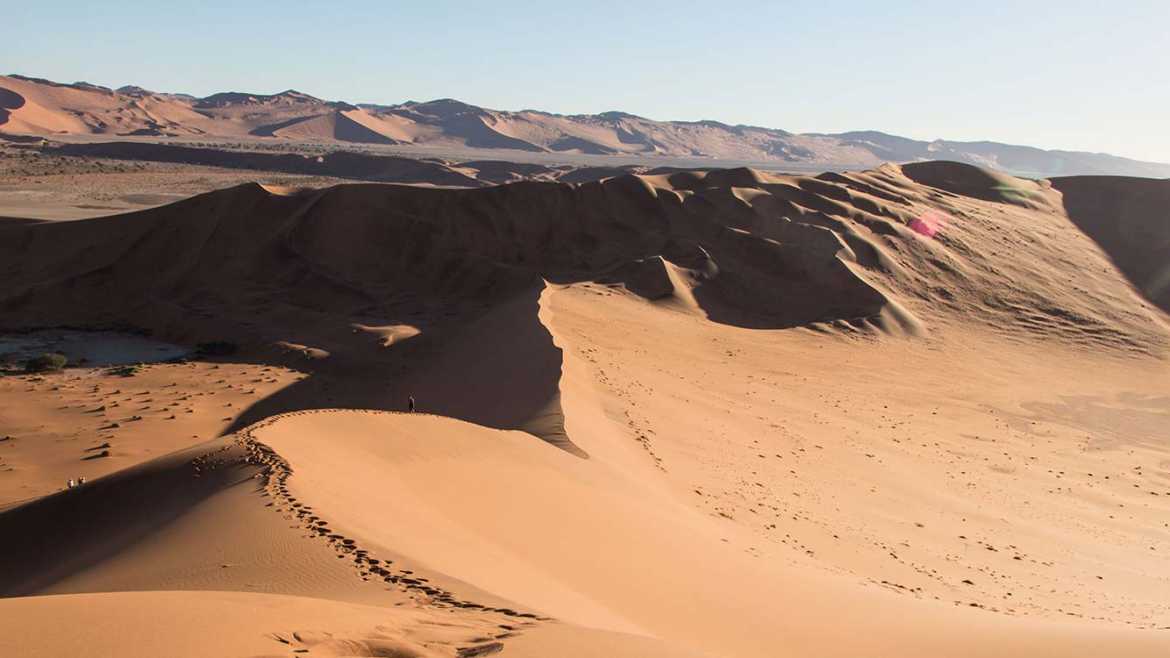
x: 42, y: 107
x: 763, y: 251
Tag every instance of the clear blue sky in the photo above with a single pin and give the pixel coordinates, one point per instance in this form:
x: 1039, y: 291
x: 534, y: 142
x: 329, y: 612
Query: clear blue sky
x: 1077, y: 75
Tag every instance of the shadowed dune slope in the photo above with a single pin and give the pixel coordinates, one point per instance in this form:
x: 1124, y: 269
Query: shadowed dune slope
x: 882, y: 249
x: 206, y: 527
x: 1130, y: 219
x: 97, y: 522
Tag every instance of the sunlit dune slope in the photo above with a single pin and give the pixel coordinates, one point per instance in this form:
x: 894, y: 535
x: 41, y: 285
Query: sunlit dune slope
x: 577, y: 540
x: 198, y: 624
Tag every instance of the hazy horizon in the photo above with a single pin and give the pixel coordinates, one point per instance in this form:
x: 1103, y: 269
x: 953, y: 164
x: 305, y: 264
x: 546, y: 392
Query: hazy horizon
x: 1042, y: 76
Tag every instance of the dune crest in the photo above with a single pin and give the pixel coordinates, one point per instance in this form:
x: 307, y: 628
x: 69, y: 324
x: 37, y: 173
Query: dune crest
x: 842, y: 252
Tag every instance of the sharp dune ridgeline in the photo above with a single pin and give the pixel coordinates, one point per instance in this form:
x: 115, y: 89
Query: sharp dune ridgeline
x: 38, y: 107
x: 723, y: 413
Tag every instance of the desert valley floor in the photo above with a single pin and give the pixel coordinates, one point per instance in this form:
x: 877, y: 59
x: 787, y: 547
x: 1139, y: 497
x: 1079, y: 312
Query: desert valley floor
x: 914, y: 411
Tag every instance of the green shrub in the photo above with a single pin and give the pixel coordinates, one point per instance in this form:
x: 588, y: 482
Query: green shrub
x: 125, y: 371
x: 47, y: 362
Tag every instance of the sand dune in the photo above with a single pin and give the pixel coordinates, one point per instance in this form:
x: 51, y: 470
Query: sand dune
x: 838, y: 252
x: 104, y: 540
x: 1122, y: 215
x: 244, y: 624
x: 224, y: 624
x: 557, y: 533
x: 349, y: 126
x: 42, y: 107
x: 976, y: 471
x: 710, y: 413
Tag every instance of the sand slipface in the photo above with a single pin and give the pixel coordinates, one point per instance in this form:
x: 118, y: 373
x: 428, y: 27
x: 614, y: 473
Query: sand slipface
x: 708, y: 413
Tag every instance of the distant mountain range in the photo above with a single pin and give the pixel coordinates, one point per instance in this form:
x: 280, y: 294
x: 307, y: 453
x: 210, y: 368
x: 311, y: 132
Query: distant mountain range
x: 33, y: 106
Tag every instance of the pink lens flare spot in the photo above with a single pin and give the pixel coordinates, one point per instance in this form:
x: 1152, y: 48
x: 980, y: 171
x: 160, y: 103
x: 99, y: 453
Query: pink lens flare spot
x: 929, y: 223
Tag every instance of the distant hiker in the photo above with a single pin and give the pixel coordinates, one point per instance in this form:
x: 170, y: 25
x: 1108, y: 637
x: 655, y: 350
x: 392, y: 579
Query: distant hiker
x: 80, y: 481
x: 71, y: 484
x: 410, y: 403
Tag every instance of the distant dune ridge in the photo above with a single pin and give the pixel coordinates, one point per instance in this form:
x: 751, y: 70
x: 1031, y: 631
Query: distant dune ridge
x: 31, y: 106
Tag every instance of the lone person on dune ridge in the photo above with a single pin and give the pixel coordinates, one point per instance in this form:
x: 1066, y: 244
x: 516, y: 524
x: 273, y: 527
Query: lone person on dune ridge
x: 410, y: 403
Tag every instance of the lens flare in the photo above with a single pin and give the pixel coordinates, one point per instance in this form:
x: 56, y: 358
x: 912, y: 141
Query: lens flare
x: 929, y: 223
